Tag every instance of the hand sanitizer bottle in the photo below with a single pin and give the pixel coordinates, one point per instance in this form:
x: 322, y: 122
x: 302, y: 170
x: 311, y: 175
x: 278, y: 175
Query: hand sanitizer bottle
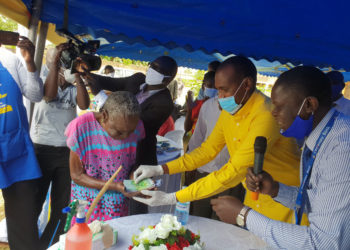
x: 182, y: 211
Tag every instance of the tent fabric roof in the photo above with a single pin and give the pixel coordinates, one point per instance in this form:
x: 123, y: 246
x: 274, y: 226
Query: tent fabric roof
x: 286, y: 31
x: 17, y: 11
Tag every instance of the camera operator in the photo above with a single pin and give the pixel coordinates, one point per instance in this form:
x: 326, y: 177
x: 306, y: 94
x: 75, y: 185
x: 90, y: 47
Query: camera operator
x: 19, y: 170
x: 51, y: 116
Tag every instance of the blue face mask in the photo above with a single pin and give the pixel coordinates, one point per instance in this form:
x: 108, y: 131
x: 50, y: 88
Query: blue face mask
x: 200, y: 94
x: 209, y: 92
x: 300, y: 128
x: 336, y: 91
x: 229, y: 103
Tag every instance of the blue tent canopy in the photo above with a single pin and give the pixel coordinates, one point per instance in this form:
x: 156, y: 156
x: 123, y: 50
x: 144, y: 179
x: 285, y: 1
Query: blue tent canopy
x: 196, y: 59
x: 297, y: 32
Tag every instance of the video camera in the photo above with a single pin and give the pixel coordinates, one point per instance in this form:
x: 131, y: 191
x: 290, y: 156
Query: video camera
x: 83, y: 50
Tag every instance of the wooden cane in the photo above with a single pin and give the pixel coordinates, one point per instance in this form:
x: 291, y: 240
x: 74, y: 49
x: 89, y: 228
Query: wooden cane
x: 101, y: 193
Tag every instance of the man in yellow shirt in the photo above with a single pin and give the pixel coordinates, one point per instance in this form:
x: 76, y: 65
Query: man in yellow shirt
x: 246, y: 115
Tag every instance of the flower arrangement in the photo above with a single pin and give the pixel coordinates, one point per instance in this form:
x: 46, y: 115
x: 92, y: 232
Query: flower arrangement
x: 167, y: 234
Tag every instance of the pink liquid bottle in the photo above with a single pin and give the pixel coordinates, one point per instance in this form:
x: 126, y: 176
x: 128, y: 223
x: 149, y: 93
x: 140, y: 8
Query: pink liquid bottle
x: 79, y: 237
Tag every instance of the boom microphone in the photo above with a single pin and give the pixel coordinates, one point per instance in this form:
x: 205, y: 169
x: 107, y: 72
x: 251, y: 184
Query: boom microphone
x: 259, y: 151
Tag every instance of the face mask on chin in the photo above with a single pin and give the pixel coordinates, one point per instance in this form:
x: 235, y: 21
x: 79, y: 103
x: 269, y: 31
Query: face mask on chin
x: 153, y: 77
x: 300, y: 128
x: 229, y: 104
x: 69, y: 77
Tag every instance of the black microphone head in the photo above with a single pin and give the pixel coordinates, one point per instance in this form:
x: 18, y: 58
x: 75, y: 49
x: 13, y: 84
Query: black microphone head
x: 260, y: 144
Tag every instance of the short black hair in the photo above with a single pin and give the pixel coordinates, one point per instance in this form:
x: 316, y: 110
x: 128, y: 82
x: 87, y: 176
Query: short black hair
x: 308, y: 81
x: 214, y: 65
x: 166, y: 65
x: 242, y: 65
x: 209, y: 77
x: 336, y: 78
x: 110, y: 68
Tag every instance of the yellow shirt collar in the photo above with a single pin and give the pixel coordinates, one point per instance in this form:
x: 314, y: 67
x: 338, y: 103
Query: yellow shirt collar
x: 249, y: 105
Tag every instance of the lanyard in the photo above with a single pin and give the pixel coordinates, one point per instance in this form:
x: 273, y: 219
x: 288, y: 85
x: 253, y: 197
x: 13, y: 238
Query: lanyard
x: 299, y: 201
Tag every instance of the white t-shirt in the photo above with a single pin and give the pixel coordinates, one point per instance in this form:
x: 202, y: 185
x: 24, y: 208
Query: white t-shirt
x: 208, y: 116
x: 50, y: 119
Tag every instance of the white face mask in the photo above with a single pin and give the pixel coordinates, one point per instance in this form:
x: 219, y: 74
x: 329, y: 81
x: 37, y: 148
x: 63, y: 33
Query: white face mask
x: 153, y: 77
x: 110, y: 74
x: 68, y: 76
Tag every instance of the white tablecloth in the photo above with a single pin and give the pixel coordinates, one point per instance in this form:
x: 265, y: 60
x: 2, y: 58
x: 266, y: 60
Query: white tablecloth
x: 215, y: 234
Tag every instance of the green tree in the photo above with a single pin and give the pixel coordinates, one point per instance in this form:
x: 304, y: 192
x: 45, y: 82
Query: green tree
x: 7, y: 24
x: 196, y: 83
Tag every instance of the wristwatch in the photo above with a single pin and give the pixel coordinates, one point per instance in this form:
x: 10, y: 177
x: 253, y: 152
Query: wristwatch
x: 241, y: 216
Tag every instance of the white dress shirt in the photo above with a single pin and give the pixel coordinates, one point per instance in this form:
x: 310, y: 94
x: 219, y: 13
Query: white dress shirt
x: 29, y: 83
x: 207, y: 118
x: 327, y: 201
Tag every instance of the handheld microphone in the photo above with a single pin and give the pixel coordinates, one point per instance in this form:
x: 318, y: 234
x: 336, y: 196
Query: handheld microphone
x: 259, y: 151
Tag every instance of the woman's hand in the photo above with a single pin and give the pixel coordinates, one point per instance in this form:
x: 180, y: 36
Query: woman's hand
x: 58, y: 52
x: 119, y: 187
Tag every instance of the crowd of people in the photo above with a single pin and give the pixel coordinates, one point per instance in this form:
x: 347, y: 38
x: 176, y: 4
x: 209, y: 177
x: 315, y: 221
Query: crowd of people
x: 302, y: 203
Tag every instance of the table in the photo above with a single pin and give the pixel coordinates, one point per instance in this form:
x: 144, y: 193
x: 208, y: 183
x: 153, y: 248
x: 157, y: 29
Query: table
x: 215, y: 234
x: 170, y: 183
x: 165, y: 157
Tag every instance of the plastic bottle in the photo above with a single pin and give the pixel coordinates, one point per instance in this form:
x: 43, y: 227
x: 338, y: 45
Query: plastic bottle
x: 79, y: 237
x: 182, y: 211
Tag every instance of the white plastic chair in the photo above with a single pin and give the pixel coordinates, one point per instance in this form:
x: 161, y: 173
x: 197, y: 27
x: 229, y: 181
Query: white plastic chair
x: 180, y: 123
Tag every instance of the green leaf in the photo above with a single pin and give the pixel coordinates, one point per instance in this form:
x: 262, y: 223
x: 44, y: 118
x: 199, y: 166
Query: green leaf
x: 135, y: 240
x: 7, y: 24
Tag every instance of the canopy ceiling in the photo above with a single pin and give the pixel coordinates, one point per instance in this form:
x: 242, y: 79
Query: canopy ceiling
x: 298, y: 32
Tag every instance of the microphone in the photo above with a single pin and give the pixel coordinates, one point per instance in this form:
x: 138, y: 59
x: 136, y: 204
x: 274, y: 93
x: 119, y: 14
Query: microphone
x: 259, y: 151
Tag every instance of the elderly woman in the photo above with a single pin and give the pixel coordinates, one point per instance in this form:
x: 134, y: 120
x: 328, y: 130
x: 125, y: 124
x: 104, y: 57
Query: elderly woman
x: 100, y: 143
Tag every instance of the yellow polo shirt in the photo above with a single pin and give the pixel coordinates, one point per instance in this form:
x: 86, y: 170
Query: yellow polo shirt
x: 238, y: 132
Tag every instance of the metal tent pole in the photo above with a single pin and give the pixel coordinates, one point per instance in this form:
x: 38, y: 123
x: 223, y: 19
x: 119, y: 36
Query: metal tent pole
x: 40, y: 45
x: 34, y: 20
x: 32, y: 35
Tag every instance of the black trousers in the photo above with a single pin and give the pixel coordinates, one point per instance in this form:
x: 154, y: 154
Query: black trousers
x: 203, y: 207
x: 54, y: 164
x: 21, y: 213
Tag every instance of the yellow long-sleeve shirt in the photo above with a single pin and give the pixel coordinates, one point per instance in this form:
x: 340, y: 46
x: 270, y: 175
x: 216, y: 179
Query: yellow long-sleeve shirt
x: 238, y: 132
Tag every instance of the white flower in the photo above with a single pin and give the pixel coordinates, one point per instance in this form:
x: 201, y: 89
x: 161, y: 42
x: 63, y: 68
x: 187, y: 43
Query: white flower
x: 161, y: 247
x: 162, y: 232
x: 139, y: 247
x: 167, y: 224
x: 149, y: 235
x: 170, y: 222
